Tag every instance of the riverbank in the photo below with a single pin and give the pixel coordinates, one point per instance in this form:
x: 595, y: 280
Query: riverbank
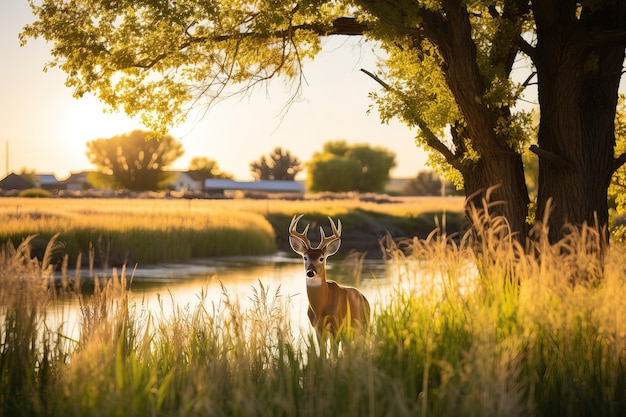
x: 480, y: 333
x: 110, y: 232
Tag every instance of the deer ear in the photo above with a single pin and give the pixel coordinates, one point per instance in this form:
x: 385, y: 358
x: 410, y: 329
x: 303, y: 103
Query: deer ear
x: 298, y: 245
x: 332, y: 247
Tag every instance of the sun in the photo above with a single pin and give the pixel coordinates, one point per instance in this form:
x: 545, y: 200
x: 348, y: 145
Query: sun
x: 86, y: 120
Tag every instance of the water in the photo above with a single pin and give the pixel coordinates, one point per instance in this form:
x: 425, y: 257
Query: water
x: 163, y: 289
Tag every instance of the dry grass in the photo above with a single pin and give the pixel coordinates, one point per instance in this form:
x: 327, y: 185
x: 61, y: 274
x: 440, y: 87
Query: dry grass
x: 475, y: 328
x: 64, y: 208
x: 162, y: 230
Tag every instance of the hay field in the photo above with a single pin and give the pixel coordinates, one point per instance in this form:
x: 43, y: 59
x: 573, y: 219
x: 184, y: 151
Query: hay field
x: 159, y: 230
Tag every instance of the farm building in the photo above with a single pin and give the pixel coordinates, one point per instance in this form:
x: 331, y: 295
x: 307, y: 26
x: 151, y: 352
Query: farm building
x: 14, y: 181
x: 216, y: 185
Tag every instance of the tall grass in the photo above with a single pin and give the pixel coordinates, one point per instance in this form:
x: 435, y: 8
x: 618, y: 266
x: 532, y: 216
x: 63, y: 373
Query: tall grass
x: 151, y: 231
x: 475, y: 328
x: 138, y: 231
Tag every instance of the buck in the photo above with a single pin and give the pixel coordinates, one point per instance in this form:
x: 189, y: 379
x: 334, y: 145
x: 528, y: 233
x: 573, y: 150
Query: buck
x: 329, y: 303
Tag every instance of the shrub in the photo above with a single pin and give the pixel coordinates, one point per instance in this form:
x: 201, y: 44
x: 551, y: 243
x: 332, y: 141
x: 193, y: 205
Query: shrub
x: 35, y: 193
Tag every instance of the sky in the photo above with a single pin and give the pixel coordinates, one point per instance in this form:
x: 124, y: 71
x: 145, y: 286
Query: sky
x: 45, y: 129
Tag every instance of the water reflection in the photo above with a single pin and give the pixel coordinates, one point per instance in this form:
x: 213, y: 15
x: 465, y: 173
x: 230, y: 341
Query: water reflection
x: 161, y: 290
x: 238, y: 277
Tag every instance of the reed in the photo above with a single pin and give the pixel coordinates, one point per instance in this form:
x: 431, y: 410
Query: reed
x: 32, y: 346
x: 473, y: 328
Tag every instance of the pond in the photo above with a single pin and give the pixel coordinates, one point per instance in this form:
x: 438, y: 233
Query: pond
x: 162, y: 289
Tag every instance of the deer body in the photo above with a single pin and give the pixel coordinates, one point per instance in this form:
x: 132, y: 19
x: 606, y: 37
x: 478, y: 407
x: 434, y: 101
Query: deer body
x: 330, y: 304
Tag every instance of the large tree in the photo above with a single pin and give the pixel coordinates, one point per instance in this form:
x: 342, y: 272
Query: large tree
x: 134, y: 161
x: 341, y: 167
x: 448, y: 72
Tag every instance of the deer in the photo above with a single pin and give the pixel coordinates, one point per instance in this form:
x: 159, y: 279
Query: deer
x: 329, y: 302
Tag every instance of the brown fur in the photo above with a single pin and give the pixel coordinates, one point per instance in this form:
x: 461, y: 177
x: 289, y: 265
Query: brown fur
x: 330, y: 304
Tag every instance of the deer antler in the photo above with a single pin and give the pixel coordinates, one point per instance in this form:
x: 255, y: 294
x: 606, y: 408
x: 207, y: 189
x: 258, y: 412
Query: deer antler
x: 294, y: 232
x: 327, y: 239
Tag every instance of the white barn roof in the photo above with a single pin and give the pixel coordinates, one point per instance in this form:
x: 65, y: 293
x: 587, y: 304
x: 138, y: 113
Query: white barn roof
x: 266, y: 186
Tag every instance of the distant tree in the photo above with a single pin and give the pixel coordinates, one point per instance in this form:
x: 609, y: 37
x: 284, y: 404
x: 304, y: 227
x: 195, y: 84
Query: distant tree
x: 280, y: 165
x: 425, y: 183
x: 374, y: 166
x: 135, y: 161
x: 428, y: 183
x: 29, y: 176
x: 327, y: 172
x: 207, y: 168
x: 341, y: 167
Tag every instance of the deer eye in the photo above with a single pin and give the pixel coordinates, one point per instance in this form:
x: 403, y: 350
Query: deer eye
x: 322, y: 259
x: 305, y: 258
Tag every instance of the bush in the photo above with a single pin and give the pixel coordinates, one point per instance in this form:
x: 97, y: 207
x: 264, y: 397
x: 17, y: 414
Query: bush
x: 35, y: 193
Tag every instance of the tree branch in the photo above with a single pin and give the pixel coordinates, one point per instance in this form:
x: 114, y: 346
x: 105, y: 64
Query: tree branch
x: 619, y: 161
x: 549, y: 156
x: 526, y: 82
x: 526, y: 47
x: 431, y: 139
x: 601, y: 38
x: 347, y: 26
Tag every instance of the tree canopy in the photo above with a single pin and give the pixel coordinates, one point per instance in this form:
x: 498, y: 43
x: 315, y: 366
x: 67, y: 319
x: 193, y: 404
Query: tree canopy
x: 279, y: 165
x: 447, y: 73
x: 207, y: 168
x: 132, y: 161
x: 340, y: 167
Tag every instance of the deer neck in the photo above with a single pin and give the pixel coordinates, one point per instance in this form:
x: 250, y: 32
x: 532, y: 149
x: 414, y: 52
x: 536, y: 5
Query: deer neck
x: 317, y: 291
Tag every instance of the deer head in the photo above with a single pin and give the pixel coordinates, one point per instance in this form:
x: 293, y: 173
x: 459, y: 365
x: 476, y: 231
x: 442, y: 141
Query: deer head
x: 314, y: 258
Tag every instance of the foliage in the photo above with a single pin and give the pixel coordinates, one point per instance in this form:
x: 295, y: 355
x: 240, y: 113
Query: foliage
x: 447, y: 72
x: 461, y: 334
x: 151, y: 61
x: 617, y: 189
x: 207, y: 168
x: 340, y: 167
x: 35, y: 193
x: 134, y: 161
x: 280, y: 165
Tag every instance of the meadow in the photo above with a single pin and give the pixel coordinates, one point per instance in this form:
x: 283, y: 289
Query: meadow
x: 147, y: 231
x: 472, y: 328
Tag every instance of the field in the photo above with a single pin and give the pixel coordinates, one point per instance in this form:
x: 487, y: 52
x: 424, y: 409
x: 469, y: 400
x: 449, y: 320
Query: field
x: 118, y: 231
x: 474, y: 327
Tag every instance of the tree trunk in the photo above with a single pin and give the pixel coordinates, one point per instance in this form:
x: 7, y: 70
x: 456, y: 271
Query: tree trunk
x: 498, y: 179
x: 578, y: 92
x: 499, y: 171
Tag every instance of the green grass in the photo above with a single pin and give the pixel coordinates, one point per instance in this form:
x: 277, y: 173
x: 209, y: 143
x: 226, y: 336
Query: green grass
x: 464, y: 332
